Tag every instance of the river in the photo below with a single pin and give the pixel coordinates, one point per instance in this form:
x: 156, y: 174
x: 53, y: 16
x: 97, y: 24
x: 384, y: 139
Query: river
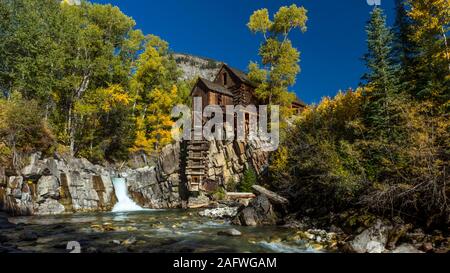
x: 158, y: 231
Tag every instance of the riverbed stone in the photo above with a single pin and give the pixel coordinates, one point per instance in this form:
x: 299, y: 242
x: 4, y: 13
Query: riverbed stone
x: 406, y: 248
x: 230, y: 232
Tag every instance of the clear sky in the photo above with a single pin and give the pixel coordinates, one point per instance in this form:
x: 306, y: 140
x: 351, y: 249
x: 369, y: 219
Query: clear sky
x: 331, y: 49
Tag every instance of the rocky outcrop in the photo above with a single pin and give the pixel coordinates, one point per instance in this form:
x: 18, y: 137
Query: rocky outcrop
x: 65, y: 184
x: 58, y: 185
x: 227, y: 161
x: 157, y: 187
x: 194, y: 66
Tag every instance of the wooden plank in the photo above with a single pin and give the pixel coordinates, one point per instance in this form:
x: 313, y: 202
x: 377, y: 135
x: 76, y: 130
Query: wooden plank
x: 240, y: 195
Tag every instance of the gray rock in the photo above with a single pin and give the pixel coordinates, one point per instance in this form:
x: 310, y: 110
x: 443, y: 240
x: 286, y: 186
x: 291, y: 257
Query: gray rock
x: 374, y: 247
x: 193, y: 67
x: 246, y: 217
x: 49, y: 207
x: 198, y: 202
x: 65, y: 184
x: 372, y: 240
x: 406, y: 248
x: 230, y: 232
x: 259, y: 212
x: 15, y: 182
x: 35, y: 169
x: 47, y: 187
x: 169, y: 159
x: 226, y: 212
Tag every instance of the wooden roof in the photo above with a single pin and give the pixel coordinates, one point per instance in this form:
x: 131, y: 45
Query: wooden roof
x: 299, y: 102
x: 215, y: 87
x: 241, y: 75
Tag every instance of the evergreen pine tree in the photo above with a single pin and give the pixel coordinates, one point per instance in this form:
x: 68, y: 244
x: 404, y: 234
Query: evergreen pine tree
x: 404, y: 49
x: 381, y: 76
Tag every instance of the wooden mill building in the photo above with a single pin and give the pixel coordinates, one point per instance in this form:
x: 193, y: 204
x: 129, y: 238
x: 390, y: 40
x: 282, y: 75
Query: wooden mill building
x: 229, y: 87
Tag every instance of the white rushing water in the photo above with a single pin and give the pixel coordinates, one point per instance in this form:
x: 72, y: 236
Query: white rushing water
x: 124, y: 203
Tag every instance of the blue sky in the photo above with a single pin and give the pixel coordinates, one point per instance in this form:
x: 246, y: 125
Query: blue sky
x: 331, y: 49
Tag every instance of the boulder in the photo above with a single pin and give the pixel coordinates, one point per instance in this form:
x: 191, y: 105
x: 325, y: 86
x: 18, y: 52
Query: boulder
x: 406, y: 248
x: 230, y: 232
x: 372, y: 240
x: 259, y: 212
x: 198, y: 202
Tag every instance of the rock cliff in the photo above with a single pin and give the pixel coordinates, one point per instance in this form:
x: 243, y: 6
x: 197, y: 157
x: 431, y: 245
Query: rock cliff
x: 66, y: 185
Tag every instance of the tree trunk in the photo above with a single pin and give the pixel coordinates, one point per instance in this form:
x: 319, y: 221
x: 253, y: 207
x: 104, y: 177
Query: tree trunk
x: 72, y: 124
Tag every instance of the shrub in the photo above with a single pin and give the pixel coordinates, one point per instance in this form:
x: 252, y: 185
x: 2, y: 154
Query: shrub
x: 219, y: 194
x: 248, y: 181
x: 231, y: 185
x: 23, y: 128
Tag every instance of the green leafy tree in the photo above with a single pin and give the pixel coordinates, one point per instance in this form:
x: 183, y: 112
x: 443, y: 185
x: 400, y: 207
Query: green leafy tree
x: 22, y: 129
x: 279, y: 59
x: 429, y: 29
x: 154, y: 86
x: 60, y: 55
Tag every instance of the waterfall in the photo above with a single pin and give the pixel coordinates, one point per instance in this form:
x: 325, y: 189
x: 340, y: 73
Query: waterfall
x: 124, y: 203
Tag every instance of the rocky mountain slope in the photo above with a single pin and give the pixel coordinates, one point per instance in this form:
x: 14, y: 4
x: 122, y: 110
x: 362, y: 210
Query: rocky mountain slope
x: 194, y: 66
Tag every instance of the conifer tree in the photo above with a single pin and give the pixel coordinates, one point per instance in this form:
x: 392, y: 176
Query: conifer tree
x: 404, y: 49
x: 381, y: 78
